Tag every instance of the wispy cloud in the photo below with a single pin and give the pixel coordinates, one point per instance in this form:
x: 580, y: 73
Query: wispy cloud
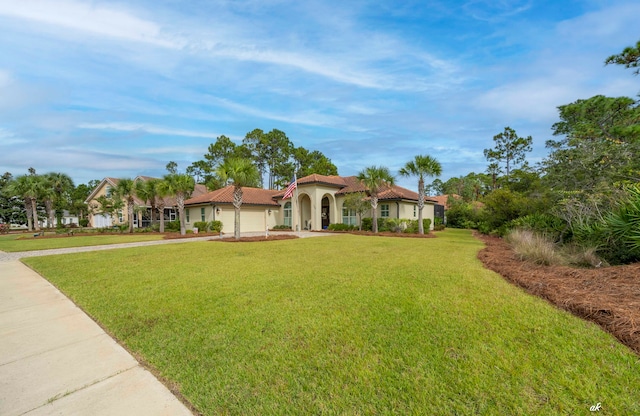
x: 108, y: 21
x: 146, y: 128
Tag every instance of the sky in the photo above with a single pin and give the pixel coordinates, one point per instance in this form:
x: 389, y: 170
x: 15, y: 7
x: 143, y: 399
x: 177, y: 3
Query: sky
x: 120, y: 88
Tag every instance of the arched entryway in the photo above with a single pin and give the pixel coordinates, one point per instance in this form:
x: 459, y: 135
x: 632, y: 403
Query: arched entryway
x: 305, y: 212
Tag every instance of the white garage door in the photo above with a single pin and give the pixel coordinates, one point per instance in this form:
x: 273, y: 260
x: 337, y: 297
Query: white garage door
x: 101, y: 221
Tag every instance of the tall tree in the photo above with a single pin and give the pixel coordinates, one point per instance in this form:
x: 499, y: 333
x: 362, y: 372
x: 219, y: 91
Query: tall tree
x: 126, y: 190
x: 161, y: 192
x: 629, y: 57
x: 421, y: 166
x: 27, y: 187
x: 61, y: 185
x: 601, y: 145
x: 239, y: 173
x: 375, y: 179
x: 172, y: 167
x: 509, y: 148
x: 181, y: 186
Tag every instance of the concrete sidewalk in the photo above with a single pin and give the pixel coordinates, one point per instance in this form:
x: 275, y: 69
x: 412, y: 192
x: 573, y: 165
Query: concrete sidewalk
x: 55, y: 360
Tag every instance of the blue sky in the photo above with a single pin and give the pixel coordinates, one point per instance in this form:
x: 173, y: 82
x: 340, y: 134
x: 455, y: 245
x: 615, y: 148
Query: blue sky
x: 109, y: 88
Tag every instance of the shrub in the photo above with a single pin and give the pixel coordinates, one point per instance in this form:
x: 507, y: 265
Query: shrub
x: 84, y: 222
x: 189, y: 231
x: 172, y: 226
x: 545, y: 224
x: 215, y: 226
x: 281, y: 227
x: 367, y: 224
x: 202, y: 226
x: 342, y: 227
x: 4, y: 228
x: 426, y: 224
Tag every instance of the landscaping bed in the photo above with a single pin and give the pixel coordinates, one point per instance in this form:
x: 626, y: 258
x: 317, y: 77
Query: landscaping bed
x: 608, y: 296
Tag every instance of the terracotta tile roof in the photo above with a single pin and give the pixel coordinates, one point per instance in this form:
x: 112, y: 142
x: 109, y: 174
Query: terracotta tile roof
x: 443, y: 199
x: 323, y: 179
x: 250, y: 196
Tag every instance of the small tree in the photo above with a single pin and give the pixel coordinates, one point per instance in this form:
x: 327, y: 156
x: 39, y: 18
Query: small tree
x: 357, y: 202
x: 375, y: 179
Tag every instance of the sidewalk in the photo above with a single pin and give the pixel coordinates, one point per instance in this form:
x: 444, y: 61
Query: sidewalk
x: 55, y: 360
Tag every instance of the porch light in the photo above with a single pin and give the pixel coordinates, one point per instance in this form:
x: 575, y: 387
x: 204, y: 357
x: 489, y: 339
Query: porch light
x: 269, y: 211
x: 218, y: 210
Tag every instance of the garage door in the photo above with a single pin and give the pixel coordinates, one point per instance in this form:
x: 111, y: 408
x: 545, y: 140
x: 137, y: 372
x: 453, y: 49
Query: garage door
x: 101, y: 221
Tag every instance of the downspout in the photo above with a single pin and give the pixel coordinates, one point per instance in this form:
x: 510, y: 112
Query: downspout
x: 398, y: 209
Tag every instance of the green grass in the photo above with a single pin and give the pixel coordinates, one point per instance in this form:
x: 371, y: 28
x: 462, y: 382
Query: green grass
x: 27, y: 242
x: 347, y: 325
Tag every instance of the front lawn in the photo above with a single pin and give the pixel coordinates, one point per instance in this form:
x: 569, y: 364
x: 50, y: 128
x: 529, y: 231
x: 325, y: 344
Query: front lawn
x: 27, y: 242
x: 347, y: 325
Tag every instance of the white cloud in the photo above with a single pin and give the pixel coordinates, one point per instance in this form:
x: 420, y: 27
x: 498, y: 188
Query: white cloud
x: 139, y: 127
x: 105, y: 21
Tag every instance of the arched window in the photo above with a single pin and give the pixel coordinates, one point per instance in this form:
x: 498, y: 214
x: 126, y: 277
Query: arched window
x: 287, y: 214
x: 349, y: 216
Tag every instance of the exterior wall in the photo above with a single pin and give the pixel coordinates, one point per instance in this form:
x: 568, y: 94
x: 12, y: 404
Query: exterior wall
x: 100, y: 222
x: 252, y: 218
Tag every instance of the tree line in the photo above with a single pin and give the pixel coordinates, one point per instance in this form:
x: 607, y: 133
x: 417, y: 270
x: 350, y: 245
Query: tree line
x: 585, y: 192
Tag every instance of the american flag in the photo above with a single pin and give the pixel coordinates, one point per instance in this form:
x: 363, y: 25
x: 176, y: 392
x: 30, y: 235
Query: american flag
x: 292, y: 186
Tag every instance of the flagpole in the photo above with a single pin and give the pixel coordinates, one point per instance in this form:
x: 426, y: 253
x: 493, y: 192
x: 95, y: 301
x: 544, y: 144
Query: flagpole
x: 295, y: 205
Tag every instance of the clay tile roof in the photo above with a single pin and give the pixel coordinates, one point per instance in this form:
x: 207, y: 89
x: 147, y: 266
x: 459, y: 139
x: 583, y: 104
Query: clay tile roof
x: 250, y: 196
x: 323, y: 179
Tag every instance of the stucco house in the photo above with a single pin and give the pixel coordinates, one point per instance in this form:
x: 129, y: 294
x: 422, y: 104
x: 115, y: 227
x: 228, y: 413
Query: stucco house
x: 317, y: 202
x: 107, y: 185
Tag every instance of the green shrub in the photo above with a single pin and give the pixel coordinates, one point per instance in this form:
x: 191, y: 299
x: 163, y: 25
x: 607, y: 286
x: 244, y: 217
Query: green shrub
x: 172, y: 226
x: 367, y: 224
x: 189, y: 231
x: 84, y: 222
x: 281, y: 227
x: 426, y: 224
x: 342, y: 227
x: 215, y: 226
x: 202, y: 226
x: 546, y: 224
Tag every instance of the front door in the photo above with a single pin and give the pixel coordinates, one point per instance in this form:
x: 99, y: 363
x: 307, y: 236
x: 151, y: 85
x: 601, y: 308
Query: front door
x: 325, y: 213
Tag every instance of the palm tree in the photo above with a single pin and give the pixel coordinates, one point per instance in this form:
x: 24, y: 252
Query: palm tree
x: 375, y: 179
x: 25, y: 187
x: 181, y: 186
x: 421, y: 166
x: 148, y: 192
x: 126, y: 189
x: 161, y: 192
x: 239, y: 172
x: 62, y: 185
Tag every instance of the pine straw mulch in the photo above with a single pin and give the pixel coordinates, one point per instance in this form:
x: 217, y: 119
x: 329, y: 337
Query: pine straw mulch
x: 272, y: 237
x: 608, y: 296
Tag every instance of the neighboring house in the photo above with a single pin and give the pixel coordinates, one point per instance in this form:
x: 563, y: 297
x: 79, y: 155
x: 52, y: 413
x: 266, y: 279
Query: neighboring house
x: 99, y: 219
x: 317, y: 202
x: 66, y: 220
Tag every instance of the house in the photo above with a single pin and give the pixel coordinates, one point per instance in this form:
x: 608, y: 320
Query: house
x: 66, y: 220
x: 141, y: 218
x: 317, y: 202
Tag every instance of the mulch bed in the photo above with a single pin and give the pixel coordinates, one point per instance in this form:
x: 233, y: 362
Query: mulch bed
x: 608, y: 296
x: 385, y: 234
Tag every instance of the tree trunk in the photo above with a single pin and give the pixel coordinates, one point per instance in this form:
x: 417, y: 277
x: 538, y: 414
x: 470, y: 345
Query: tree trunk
x: 420, y: 205
x: 183, y: 220
x: 130, y: 215
x: 27, y: 208
x: 237, y: 203
x: 34, y: 209
x: 374, y: 213
x: 50, y: 213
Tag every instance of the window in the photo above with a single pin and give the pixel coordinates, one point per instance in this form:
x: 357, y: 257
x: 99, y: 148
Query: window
x: 384, y: 210
x: 107, y: 191
x: 415, y: 210
x: 202, y: 214
x: 186, y: 212
x: 172, y: 215
x: 287, y: 214
x: 349, y: 216
x: 120, y: 217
